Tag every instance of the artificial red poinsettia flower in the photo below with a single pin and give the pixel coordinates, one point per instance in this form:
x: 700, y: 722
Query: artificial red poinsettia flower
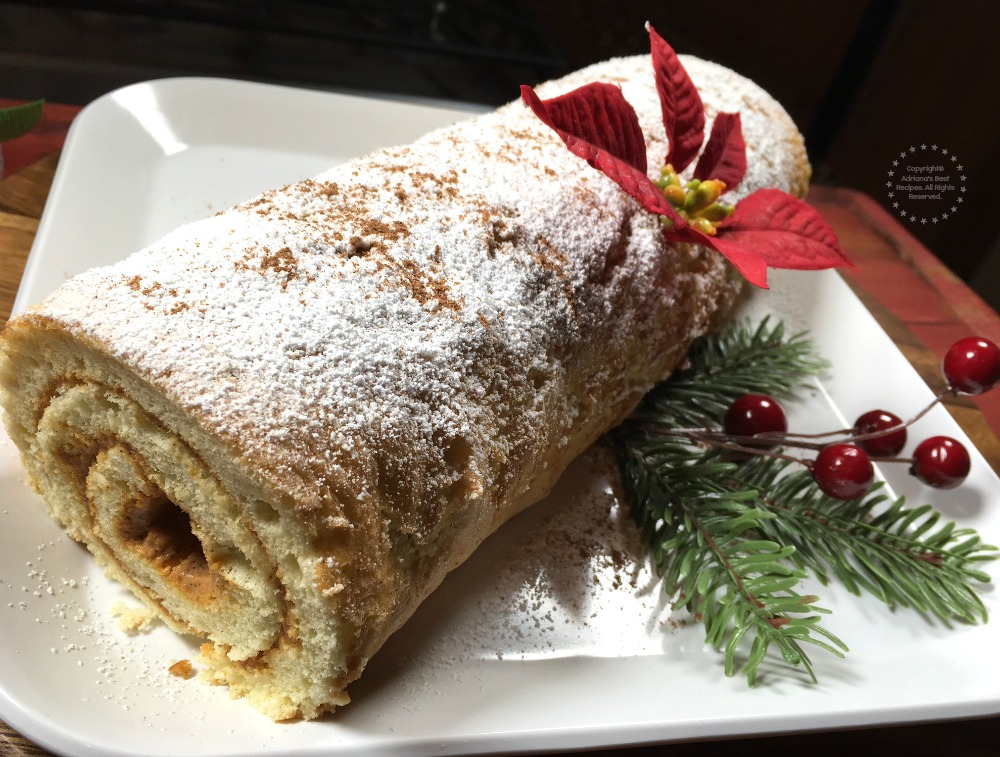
x: 767, y: 228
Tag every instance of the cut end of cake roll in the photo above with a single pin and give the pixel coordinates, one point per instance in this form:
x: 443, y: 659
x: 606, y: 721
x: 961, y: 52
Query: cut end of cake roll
x: 167, y: 514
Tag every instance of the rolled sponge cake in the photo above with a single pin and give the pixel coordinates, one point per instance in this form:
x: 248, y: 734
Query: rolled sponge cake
x: 283, y: 425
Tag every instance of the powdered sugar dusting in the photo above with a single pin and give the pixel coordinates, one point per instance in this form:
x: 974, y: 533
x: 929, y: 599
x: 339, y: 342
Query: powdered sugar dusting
x: 582, y: 583
x: 396, y: 292
x: 566, y: 580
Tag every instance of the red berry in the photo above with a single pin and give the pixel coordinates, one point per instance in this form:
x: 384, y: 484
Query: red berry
x: 884, y: 444
x: 754, y: 414
x: 941, y: 462
x: 972, y: 365
x: 843, y: 471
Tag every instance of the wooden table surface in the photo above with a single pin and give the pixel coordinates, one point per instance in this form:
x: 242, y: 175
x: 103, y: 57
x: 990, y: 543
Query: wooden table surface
x: 920, y: 304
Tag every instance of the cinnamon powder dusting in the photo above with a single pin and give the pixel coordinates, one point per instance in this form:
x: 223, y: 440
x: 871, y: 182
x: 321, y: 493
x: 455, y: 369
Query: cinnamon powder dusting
x: 455, y: 289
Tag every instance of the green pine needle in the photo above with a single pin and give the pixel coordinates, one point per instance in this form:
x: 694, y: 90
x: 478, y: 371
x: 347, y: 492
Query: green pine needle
x: 733, y: 541
x: 740, y: 359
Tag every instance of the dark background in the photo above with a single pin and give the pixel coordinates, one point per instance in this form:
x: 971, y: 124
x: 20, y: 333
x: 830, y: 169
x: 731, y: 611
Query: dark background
x: 864, y: 79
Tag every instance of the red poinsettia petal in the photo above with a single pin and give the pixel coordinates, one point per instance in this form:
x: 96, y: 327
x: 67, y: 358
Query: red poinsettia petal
x: 725, y: 155
x: 782, y: 230
x: 592, y: 119
x: 749, y: 264
x: 680, y: 103
x: 598, y: 125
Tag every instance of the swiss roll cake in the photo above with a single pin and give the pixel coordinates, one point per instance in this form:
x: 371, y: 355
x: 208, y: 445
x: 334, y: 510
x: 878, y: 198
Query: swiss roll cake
x: 281, y: 426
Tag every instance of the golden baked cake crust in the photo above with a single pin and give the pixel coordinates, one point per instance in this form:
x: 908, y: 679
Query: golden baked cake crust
x: 283, y: 425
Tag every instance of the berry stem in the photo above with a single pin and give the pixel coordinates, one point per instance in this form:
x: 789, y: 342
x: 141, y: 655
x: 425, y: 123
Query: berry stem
x: 847, y: 432
x: 892, y: 429
x: 712, y: 438
x: 792, y: 435
x: 758, y: 443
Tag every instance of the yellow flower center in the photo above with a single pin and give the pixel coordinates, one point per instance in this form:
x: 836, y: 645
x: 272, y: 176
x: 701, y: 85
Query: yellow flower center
x: 697, y: 202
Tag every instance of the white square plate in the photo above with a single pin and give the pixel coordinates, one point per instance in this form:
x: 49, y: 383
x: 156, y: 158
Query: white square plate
x: 545, y: 638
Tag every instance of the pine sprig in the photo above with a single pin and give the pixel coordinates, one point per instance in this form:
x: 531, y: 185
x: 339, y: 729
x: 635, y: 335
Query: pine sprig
x: 705, y: 542
x: 733, y: 541
x: 740, y: 359
x: 904, y: 556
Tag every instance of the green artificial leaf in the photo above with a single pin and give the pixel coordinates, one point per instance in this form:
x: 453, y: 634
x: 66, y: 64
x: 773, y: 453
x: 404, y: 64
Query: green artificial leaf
x: 18, y: 119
